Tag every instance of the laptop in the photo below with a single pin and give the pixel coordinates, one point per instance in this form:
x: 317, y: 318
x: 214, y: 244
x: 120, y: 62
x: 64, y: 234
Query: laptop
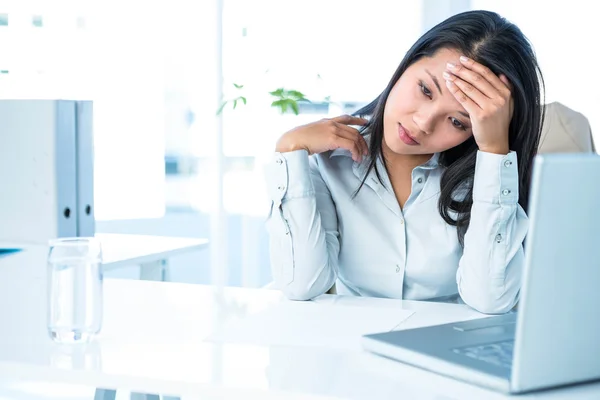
x: 553, y: 339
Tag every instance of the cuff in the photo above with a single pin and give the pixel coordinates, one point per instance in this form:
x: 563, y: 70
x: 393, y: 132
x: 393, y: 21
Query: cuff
x: 496, y: 178
x: 288, y: 176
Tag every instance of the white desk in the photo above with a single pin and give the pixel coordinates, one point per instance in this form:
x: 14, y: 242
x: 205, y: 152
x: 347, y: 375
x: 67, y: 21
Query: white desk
x: 153, y: 341
x: 151, y: 253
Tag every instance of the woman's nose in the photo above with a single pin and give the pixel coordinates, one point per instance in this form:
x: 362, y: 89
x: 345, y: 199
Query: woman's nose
x: 424, y: 121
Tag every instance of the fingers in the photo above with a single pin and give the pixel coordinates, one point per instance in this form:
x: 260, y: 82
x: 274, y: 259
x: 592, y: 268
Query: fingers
x: 359, y: 148
x: 350, y: 120
x: 471, y: 91
x: 341, y: 142
x: 462, y: 98
x: 478, y: 83
x: 505, y: 80
x: 343, y: 136
x: 470, y: 81
x: 485, y: 73
x: 353, y: 134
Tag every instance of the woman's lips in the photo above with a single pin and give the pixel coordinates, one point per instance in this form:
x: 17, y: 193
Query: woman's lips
x: 405, y: 136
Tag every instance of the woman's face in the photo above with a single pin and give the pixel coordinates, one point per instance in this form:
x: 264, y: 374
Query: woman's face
x: 421, y: 116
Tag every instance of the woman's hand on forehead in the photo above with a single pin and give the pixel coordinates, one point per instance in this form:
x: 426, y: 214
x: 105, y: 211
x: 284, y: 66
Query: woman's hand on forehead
x: 488, y: 100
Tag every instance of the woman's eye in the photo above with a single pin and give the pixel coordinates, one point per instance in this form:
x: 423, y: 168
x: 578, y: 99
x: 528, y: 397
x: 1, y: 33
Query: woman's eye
x: 457, y: 124
x: 425, y: 90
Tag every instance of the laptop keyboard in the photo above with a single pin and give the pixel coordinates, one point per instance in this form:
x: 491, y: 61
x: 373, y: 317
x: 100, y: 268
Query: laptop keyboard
x: 500, y: 353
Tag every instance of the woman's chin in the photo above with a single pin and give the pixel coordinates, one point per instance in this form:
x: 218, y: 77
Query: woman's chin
x: 399, y: 147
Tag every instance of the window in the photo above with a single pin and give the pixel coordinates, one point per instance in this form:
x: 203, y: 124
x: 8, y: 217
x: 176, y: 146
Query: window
x: 152, y: 71
x: 340, y: 56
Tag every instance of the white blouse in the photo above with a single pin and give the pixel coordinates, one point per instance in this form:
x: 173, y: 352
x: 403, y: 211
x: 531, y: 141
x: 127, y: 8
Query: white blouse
x: 369, y: 246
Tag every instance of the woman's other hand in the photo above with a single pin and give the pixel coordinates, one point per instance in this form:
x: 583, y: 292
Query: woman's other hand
x: 326, y: 134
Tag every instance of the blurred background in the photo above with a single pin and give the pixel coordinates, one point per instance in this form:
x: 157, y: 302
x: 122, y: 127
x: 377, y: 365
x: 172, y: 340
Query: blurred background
x: 190, y: 97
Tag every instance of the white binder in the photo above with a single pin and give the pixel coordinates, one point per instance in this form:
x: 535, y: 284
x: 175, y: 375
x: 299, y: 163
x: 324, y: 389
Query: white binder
x: 46, y: 170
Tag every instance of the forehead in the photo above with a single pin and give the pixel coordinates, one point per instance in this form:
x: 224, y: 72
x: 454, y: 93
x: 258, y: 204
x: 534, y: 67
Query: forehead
x: 436, y: 65
x: 438, y: 61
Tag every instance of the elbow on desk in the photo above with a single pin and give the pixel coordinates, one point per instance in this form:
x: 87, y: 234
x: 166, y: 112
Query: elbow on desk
x: 300, y: 292
x: 490, y: 305
x: 306, y: 283
x: 487, y: 296
x: 297, y: 296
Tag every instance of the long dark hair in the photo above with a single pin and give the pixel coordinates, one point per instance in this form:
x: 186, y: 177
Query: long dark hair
x: 491, y: 40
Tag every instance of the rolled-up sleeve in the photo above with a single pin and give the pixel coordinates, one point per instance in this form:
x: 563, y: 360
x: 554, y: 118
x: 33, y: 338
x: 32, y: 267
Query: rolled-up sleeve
x: 489, y: 273
x: 302, y: 226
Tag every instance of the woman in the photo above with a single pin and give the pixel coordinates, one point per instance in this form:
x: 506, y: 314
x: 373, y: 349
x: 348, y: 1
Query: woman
x: 428, y: 200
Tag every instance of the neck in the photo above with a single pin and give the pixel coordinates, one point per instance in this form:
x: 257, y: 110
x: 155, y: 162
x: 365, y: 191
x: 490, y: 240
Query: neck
x: 400, y: 164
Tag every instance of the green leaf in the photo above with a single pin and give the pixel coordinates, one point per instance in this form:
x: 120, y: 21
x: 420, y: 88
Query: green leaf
x: 281, y: 104
x: 277, y: 103
x: 235, y: 103
x: 296, y: 95
x: 242, y: 98
x: 238, y: 86
x: 277, y: 93
x: 220, y: 109
x: 294, y: 106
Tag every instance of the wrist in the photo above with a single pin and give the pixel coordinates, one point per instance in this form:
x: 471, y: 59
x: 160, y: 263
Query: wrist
x: 287, y: 144
x: 495, y: 149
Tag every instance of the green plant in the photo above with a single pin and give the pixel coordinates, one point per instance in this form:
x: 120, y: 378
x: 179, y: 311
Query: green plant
x: 283, y: 99
x: 234, y: 101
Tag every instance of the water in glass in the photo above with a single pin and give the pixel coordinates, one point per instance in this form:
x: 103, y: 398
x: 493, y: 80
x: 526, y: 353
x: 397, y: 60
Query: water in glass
x: 74, y: 289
